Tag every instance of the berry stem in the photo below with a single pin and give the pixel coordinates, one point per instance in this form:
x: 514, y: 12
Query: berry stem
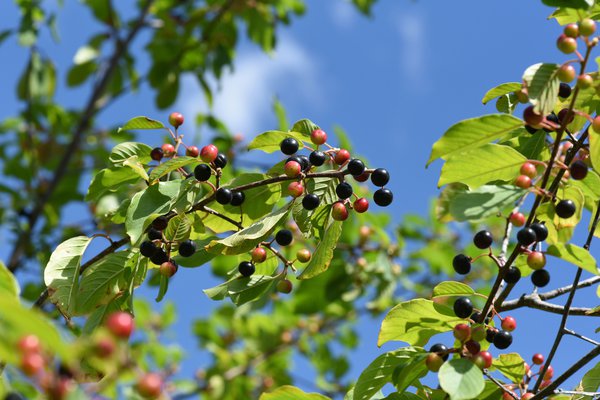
x: 286, y: 263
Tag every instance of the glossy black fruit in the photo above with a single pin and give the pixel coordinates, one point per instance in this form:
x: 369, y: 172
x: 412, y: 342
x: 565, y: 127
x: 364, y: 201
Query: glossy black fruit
x: 157, y: 154
x: 440, y: 349
x: 154, y: 234
x: 148, y: 249
x: 310, y: 201
x: 288, y: 146
x: 476, y: 316
x: 202, y: 172
x: 502, y: 339
x: 383, y: 197
x: 356, y: 167
x: 526, y: 236
x: 461, y: 264
x: 578, y: 170
x: 483, y: 239
x: 380, y: 177
x: 187, y: 248
x: 540, y: 277
x: 490, y: 333
x: 565, y: 208
x: 531, y: 129
x: 246, y: 268
x: 220, y: 161
x: 317, y: 158
x: 223, y: 196
x: 284, y: 237
x: 463, y: 307
x: 541, y: 232
x: 553, y: 118
x: 564, y: 90
x: 160, y: 223
x: 512, y: 275
x: 159, y: 257
x: 304, y: 163
x: 343, y: 190
x: 237, y: 198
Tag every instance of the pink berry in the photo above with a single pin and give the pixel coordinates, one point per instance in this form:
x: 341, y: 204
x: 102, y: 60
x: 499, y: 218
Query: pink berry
x: 209, y: 153
x: 341, y: 157
x: 295, y: 189
x: 292, y: 169
x: 176, y: 119
x: 192, y: 151
x: 120, y: 324
x: 339, y: 212
x: 523, y: 181
x: 509, y: 324
x: 361, y: 205
x: 168, y: 150
x: 528, y: 169
x: 517, y: 219
x: 318, y: 136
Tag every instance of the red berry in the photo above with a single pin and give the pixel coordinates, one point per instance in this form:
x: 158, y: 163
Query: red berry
x: 509, y: 324
x: 303, y: 255
x: 434, y: 362
x: 536, y: 260
x: 523, y: 181
x: 517, y: 219
x: 549, y: 373
x: 527, y: 396
x: 209, y: 153
x: 572, y: 30
x: 538, y: 359
x: 104, y: 347
x: 361, y: 205
x: 258, y: 255
x: 462, y: 332
x: 532, y: 118
x: 30, y: 344
x: 339, y: 212
x: 32, y: 363
x: 585, y: 81
x: 508, y: 396
x: 149, y: 386
x: 318, y: 136
x: 292, y: 169
x: 168, y: 150
x: 176, y: 119
x: 284, y: 286
x: 120, y: 324
x: 587, y: 27
x: 528, y: 169
x: 192, y: 151
x: 566, y: 73
x: 341, y: 157
x: 483, y: 359
x: 168, y: 269
x: 295, y: 189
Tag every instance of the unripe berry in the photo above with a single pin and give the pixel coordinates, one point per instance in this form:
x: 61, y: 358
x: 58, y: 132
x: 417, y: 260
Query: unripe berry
x: 295, y: 189
x: 532, y: 118
x: 478, y: 332
x: 361, y: 205
x: 303, y: 255
x: 566, y: 73
x: 509, y: 324
x: 339, y: 212
x: 318, y: 136
x: 176, y: 119
x: 292, y: 169
x: 434, y: 362
x: 341, y: 157
x: 168, y: 150
x: 483, y: 359
x: 523, y: 181
x: 536, y: 260
x: 209, y: 153
x: 284, y: 286
x: 259, y: 254
x: 168, y: 269
x: 596, y: 124
x: 585, y: 81
x: 104, y: 347
x: 32, y: 363
x: 528, y: 169
x: 120, y: 324
x: 528, y: 395
x: 572, y: 30
x: 29, y: 344
x: 517, y: 219
x: 149, y: 386
x: 549, y: 373
x: 587, y: 27
x: 538, y: 359
x: 192, y: 151
x: 462, y: 332
x: 566, y: 44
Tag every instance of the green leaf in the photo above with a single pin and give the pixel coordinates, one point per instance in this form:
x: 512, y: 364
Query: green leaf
x: 415, y: 321
x: 291, y: 393
x: 451, y: 288
x: 591, y: 380
x: 407, y: 374
x: 502, y: 89
x: 9, y: 287
x: 304, y: 127
x: 139, y: 123
x: 79, y: 73
x: 511, y: 365
x: 491, y: 162
x: 109, y: 180
x: 575, y: 255
x: 594, y: 138
x: 483, y: 202
x: 137, y: 167
x: 473, y: 133
x: 590, y: 187
x: 243, y: 290
x: 269, y: 141
x: 583, y: 4
x: 461, y: 379
x: 323, y: 254
x: 162, y: 290
x: 507, y: 103
x: 178, y: 229
x: 169, y: 166
x: 124, y: 151
x: 200, y: 257
x: 61, y: 275
x: 542, y: 86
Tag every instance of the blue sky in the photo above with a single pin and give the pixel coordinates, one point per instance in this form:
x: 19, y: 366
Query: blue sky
x: 395, y: 82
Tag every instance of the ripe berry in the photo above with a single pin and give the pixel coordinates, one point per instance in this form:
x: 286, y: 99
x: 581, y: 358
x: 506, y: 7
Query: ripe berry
x: 176, y: 119
x: 483, y: 359
x: 29, y: 344
x: 531, y: 129
x: 157, y: 154
x: 461, y: 264
x: 148, y: 249
x: 566, y: 44
x: 566, y: 73
x: 356, y: 167
x: 571, y: 30
x: 343, y: 190
x: 549, y: 373
x: 502, y: 339
x: 509, y: 324
x: 318, y: 136
x: 587, y: 27
x: 259, y: 254
x: 159, y: 257
x: 209, y: 153
x: 341, y: 156
x: 433, y: 362
x: 237, y: 198
x: 303, y: 255
x: 526, y: 236
x: 289, y: 146
x: 462, y: 332
x: 149, y: 386
x: 361, y: 205
x: 246, y: 268
x: 120, y: 324
x: 380, y: 177
x: 440, y: 349
x: 304, y: 163
x: 562, y: 115
x: 284, y: 286
x: 564, y: 90
x: 538, y: 359
x: 565, y: 208
x: 317, y: 158
x: 187, y: 248
x: 284, y: 237
x: 160, y: 223
x: 168, y: 268
x: 472, y: 346
x: 192, y: 151
x: 202, y: 172
x: 483, y: 239
x: 310, y: 201
x: 168, y: 149
x: 596, y: 124
x: 32, y: 363
x: 540, y: 278
x: 491, y: 334
x: 552, y: 117
x: 220, y: 161
x: 339, y: 212
x: 383, y: 197
x: 362, y: 177
x: 536, y: 260
x: 585, y: 81
x: 528, y: 169
x: 292, y: 169
x: 517, y: 219
x: 523, y: 181
x: 295, y: 189
x: 532, y: 118
x: 223, y: 196
x: 154, y: 234
x: 463, y: 307
x: 541, y: 232
x: 578, y: 170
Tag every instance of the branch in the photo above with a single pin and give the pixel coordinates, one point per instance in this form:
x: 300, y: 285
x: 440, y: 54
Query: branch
x: 533, y: 301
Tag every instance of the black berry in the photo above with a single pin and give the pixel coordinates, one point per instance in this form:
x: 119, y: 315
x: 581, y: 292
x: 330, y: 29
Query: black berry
x: 289, y: 146
x: 159, y: 257
x: 526, y: 236
x: 564, y: 90
x: 380, y: 177
x: 284, y: 237
x: 223, y: 196
x: 157, y: 154
x: 317, y: 158
x: 187, y: 248
x: 540, y: 277
x: 578, y: 170
x: 160, y: 223
x: 552, y: 117
x: 148, y: 249
x: 490, y: 334
x: 356, y: 167
x: 220, y: 161
x: 304, y: 163
x: 461, y: 264
x: 343, y: 190
x: 440, y: 349
x: 483, y: 239
x: 246, y: 268
x: 541, y: 232
x: 310, y: 201
x: 531, y: 129
x: 512, y: 275
x: 202, y: 172
x: 565, y: 208
x: 476, y: 316
x: 237, y: 198
x: 463, y: 307
x: 154, y: 234
x: 502, y: 339
x: 383, y: 197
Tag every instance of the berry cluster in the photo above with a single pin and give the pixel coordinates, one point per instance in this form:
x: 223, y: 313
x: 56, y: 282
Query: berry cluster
x: 537, y: 359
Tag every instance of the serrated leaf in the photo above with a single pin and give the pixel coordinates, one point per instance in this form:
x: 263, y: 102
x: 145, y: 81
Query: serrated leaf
x: 483, y: 202
x: 461, y: 379
x: 452, y: 288
x: 9, y: 287
x: 575, y: 255
x: 178, y: 229
x: 269, y: 141
x: 542, y: 86
x: 304, y: 127
x: 473, y: 133
x: 502, y: 89
x: 291, y: 393
x: 126, y: 150
x: 141, y: 123
x: 511, y: 365
x: 323, y: 254
x: 170, y: 166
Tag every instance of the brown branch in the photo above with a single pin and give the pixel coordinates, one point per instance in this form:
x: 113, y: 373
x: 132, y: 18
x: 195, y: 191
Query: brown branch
x: 534, y: 301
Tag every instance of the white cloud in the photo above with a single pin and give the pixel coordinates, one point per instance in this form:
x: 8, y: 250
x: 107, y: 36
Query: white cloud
x: 411, y: 29
x: 343, y: 13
